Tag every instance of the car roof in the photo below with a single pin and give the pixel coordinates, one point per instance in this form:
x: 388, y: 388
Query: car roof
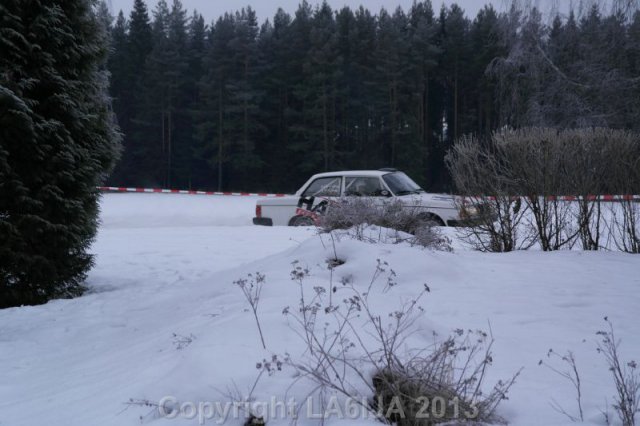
x: 372, y: 173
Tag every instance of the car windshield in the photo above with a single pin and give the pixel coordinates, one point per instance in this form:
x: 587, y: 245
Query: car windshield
x: 401, y: 184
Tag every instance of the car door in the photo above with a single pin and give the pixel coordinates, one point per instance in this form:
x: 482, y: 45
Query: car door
x: 322, y: 189
x: 371, y: 187
x: 364, y: 186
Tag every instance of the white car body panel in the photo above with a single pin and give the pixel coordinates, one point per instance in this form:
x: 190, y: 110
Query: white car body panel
x: 282, y: 210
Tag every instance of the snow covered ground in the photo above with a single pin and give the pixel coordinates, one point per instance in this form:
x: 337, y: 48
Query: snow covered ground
x: 164, y: 319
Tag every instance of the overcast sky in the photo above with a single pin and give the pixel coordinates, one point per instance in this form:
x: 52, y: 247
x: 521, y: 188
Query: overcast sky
x: 211, y: 9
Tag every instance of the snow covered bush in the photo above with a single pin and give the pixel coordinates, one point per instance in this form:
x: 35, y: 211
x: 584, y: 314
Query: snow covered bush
x: 369, y: 354
x: 431, y: 237
x: 356, y: 215
x: 626, y: 377
x: 361, y: 211
x: 449, y: 378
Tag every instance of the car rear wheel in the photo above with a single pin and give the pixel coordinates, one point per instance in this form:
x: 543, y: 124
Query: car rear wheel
x: 301, y: 221
x: 432, y: 220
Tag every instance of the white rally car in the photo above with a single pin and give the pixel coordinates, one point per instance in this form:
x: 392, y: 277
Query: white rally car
x: 439, y: 208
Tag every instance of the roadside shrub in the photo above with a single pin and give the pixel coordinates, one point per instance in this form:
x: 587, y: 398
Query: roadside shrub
x: 452, y: 393
x: 431, y: 237
x: 520, y: 174
x: 625, y: 215
x: 346, y: 336
x: 486, y: 182
x: 625, y: 225
x: 625, y: 377
x: 409, y: 224
x: 348, y: 213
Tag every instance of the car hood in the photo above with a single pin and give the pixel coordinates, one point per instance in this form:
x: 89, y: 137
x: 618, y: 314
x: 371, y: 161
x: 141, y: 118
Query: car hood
x: 429, y: 199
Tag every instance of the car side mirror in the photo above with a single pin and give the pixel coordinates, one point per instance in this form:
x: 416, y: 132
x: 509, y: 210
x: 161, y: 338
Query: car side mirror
x: 385, y: 193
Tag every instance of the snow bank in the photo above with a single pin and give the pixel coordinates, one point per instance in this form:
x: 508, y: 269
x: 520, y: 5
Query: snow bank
x: 164, y: 319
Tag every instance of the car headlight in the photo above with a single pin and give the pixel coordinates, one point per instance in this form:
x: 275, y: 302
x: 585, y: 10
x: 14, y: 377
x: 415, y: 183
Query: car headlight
x: 468, y: 211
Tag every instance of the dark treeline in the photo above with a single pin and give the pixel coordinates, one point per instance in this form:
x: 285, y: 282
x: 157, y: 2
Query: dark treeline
x: 240, y: 105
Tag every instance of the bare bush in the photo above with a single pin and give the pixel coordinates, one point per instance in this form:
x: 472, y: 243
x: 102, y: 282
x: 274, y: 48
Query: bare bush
x: 624, y: 159
x: 251, y: 289
x: 485, y: 180
x: 572, y: 375
x: 347, y: 213
x: 431, y: 237
x: 535, y: 166
x: 599, y: 161
x: 449, y: 378
x: 625, y: 225
x: 349, y: 338
x: 585, y: 177
x: 357, y: 214
x: 625, y: 377
x: 536, y: 160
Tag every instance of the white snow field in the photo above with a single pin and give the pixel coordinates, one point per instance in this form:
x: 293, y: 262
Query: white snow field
x: 164, y: 319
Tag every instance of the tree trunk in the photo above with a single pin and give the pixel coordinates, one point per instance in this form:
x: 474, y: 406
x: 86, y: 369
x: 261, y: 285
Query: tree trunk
x: 169, y: 135
x: 392, y: 121
x: 220, y: 142
x: 245, y: 127
x: 455, y: 103
x: 325, y: 129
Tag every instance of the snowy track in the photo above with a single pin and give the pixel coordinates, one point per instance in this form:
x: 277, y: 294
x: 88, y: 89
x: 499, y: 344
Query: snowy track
x: 175, y: 210
x: 165, y: 266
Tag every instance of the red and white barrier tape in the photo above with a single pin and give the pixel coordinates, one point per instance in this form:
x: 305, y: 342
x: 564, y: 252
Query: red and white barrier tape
x: 579, y: 198
x: 260, y: 194
x: 183, y: 191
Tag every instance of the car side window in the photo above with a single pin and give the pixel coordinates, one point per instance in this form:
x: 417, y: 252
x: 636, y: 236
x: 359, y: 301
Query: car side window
x: 363, y: 186
x: 324, y: 187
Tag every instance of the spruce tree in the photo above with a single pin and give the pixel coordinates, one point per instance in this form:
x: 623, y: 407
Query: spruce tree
x: 137, y: 147
x: 57, y: 143
x: 391, y: 56
x: 633, y: 52
x: 361, y: 77
x: 191, y: 167
x: 178, y: 143
x: 486, y: 45
x: 213, y: 129
x: 322, y: 72
x: 121, y: 91
x: 423, y: 59
x: 154, y: 108
x: 277, y: 56
x: 455, y: 28
x: 244, y: 97
x: 299, y: 148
